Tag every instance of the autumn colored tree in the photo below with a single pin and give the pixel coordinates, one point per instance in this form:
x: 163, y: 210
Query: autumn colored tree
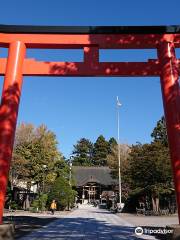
x: 35, y: 156
x: 113, y: 159
x: 113, y: 163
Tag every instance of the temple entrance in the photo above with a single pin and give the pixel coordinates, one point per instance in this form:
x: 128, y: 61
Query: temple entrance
x: 90, y: 193
x: 92, y: 182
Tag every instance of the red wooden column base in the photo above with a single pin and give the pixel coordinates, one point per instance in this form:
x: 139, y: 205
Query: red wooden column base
x: 9, y: 111
x: 171, y: 100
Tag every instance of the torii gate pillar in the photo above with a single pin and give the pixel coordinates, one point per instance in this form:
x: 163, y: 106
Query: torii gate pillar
x: 9, y: 111
x: 171, y: 100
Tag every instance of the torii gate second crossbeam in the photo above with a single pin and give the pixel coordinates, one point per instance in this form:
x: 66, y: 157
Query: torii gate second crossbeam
x: 18, y: 38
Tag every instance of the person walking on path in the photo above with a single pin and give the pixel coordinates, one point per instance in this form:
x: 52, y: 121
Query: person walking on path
x: 53, y: 207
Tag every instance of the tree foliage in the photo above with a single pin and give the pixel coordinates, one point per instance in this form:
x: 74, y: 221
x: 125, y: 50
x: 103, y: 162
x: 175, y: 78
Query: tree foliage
x: 149, y: 171
x: 82, y: 153
x: 149, y: 167
x: 35, y: 156
x: 39, y: 204
x: 36, y: 159
x: 113, y: 163
x: 100, y: 151
x: 113, y: 159
x: 145, y: 168
x: 62, y: 192
x: 112, y: 143
x: 86, y: 153
x: 159, y: 133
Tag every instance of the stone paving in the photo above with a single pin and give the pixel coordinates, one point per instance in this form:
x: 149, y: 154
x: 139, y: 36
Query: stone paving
x: 87, y: 223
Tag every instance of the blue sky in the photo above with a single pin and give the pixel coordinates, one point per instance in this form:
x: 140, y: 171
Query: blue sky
x: 86, y: 107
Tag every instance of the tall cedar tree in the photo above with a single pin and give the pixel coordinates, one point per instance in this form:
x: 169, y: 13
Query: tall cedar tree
x: 159, y: 133
x: 112, y: 144
x: 100, y: 152
x: 82, y: 153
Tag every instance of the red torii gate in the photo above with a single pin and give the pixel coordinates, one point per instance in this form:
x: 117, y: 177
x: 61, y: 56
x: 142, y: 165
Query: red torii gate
x: 17, y: 38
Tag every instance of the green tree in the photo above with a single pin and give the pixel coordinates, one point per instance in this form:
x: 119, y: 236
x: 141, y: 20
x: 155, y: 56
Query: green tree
x: 62, y: 192
x: 82, y: 153
x: 149, y: 171
x: 112, y: 143
x: 39, y: 204
x: 100, y: 152
x: 159, y: 133
x: 56, y: 168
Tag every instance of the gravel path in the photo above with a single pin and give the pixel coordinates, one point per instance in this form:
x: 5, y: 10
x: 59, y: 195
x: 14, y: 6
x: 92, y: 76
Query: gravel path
x: 87, y: 223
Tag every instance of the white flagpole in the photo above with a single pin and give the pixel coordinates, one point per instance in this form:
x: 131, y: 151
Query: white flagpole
x: 119, y: 153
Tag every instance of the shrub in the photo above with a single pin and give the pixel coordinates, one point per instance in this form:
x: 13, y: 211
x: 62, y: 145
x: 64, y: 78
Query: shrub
x: 62, y: 192
x: 39, y: 204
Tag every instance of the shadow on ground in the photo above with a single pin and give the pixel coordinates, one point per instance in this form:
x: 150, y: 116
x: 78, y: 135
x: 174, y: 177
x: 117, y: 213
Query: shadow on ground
x: 27, y: 224
x: 71, y: 228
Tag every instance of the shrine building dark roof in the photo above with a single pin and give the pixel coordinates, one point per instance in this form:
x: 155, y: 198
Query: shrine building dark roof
x: 99, y: 175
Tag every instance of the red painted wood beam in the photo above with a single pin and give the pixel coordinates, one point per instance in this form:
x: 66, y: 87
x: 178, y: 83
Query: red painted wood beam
x: 103, y: 41
x: 32, y: 67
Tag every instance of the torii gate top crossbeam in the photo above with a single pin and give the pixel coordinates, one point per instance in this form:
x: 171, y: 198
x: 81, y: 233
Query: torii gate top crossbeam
x: 90, y: 39
x: 78, y: 37
x: 172, y: 29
